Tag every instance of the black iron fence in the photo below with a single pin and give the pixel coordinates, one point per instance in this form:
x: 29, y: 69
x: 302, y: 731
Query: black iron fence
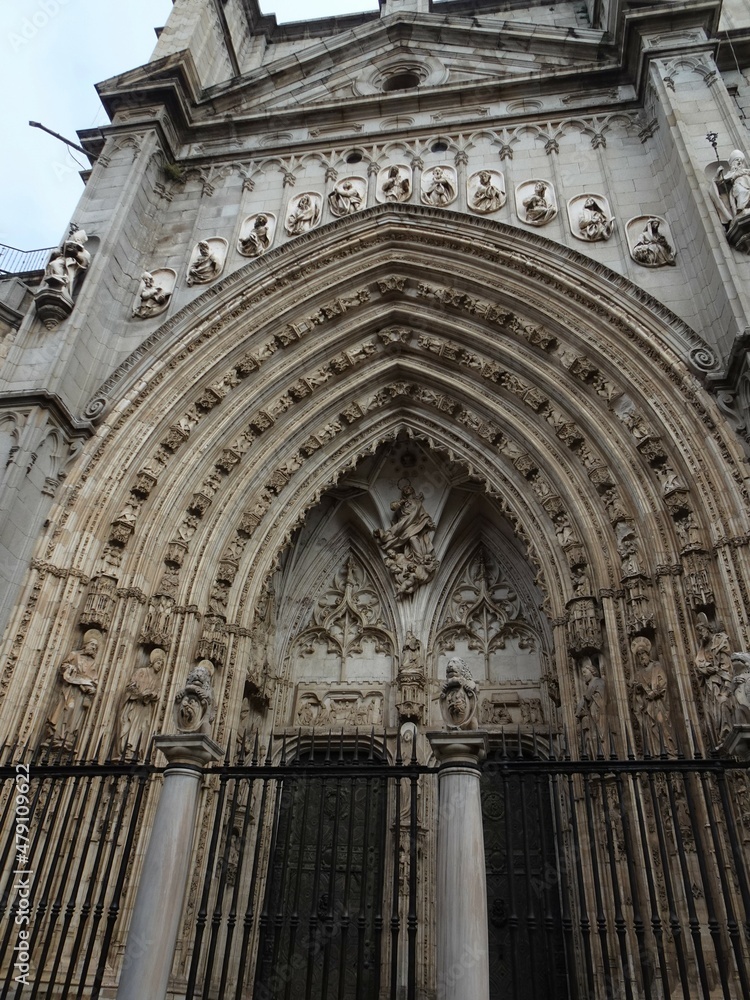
x: 608, y: 878
x: 67, y: 830
x: 616, y: 879
x: 310, y: 889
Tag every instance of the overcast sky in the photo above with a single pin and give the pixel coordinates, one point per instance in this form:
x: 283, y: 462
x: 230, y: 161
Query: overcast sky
x: 52, y: 52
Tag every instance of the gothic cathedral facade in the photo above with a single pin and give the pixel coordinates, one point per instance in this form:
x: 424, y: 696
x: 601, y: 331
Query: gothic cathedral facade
x: 383, y: 421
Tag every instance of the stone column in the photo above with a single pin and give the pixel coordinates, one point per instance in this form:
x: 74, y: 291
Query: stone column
x: 461, y: 898
x: 154, y: 927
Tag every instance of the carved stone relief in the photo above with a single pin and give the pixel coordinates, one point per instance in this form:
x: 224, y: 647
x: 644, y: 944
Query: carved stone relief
x: 536, y: 202
x: 729, y: 186
x: 439, y: 186
x: 590, y: 217
x: 256, y: 234
x: 65, y: 268
x: 303, y: 213
x: 154, y: 292
x: 194, y: 705
x: 459, y: 696
x: 329, y: 708
x: 412, y: 681
x: 651, y: 699
x: 485, y: 191
x: 407, y: 545
x: 394, y: 184
x: 592, y: 708
x: 650, y: 241
x: 207, y: 260
x: 349, y: 195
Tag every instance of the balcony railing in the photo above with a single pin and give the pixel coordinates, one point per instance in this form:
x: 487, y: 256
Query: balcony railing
x: 15, y: 261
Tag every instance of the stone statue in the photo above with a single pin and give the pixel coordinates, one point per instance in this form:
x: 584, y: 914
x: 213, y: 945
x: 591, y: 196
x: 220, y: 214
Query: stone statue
x: 303, y: 216
x: 741, y: 688
x: 140, y: 695
x: 194, y: 706
x: 79, y: 675
x: 152, y: 297
x: 439, y: 189
x: 650, y: 698
x: 411, y: 680
x: 652, y: 248
x: 591, y: 710
x: 713, y: 666
x: 67, y: 262
x: 458, y: 698
x: 345, y: 199
x: 539, y: 207
x: 257, y: 240
x: 486, y: 197
x: 407, y: 544
x: 205, y: 267
x: 395, y: 186
x: 593, y: 222
x: 737, y: 181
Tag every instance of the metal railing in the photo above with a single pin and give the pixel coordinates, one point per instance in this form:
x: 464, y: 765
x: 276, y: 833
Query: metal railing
x: 15, y: 261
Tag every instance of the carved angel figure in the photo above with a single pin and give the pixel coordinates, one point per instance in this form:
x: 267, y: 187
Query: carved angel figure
x: 407, y: 544
x: 458, y: 698
x: 713, y: 666
x: 141, y: 693
x: 194, y: 705
x: 653, y: 249
x: 79, y: 674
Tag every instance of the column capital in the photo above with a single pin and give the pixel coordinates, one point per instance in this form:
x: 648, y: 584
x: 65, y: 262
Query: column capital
x: 459, y: 747
x: 195, y: 749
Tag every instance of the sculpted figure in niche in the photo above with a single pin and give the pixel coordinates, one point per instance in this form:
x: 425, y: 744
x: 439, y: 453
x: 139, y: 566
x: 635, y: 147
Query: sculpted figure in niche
x: 458, y: 698
x: 439, y: 190
x: 79, y: 676
x: 487, y: 196
x: 153, y: 298
x: 741, y: 688
x: 539, y: 207
x: 205, y: 267
x: 68, y: 261
x: 737, y: 181
x: 593, y: 222
x: 653, y: 249
x: 713, y: 666
x: 345, y: 199
x: 591, y: 710
x: 303, y: 216
x: 258, y: 240
x: 141, y: 693
x: 194, y: 705
x: 407, y: 544
x: 650, y: 698
x: 396, y: 186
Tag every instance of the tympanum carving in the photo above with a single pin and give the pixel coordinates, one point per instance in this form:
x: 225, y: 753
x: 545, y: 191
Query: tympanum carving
x: 407, y: 545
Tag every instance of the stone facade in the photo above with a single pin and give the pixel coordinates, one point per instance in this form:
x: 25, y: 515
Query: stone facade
x: 401, y: 337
